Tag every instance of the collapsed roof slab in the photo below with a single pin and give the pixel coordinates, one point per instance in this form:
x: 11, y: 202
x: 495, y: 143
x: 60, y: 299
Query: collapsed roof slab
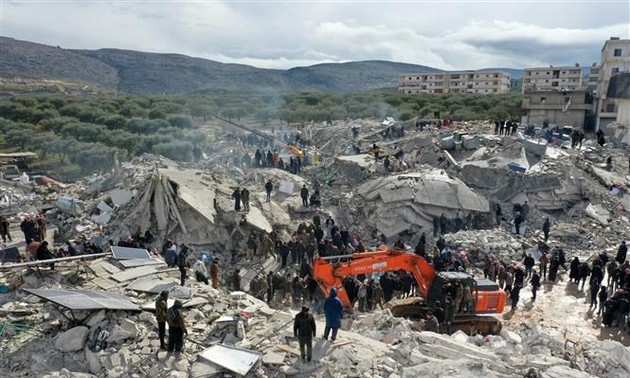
x: 194, y: 188
x: 126, y: 253
x: 85, y: 300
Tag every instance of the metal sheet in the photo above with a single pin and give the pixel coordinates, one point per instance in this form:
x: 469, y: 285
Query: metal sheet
x: 125, y: 253
x: 10, y: 255
x: 85, y: 300
x: 237, y: 360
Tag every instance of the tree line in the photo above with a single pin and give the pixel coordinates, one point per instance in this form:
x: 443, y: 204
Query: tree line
x: 91, y: 131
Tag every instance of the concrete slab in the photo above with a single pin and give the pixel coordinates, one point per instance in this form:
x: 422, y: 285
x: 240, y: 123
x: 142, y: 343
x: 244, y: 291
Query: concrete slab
x: 121, y: 197
x: 109, y: 267
x: 151, y: 285
x: 237, y: 360
x: 273, y: 358
x: 255, y: 218
x: 134, y: 273
x: 141, y: 262
x: 104, y: 283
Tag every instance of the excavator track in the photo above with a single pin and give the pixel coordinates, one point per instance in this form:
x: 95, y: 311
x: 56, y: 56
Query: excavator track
x: 471, y: 324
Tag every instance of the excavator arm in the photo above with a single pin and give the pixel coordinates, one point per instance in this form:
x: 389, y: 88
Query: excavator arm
x: 330, y: 274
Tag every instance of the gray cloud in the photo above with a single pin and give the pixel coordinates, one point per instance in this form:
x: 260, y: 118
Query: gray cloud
x: 447, y: 35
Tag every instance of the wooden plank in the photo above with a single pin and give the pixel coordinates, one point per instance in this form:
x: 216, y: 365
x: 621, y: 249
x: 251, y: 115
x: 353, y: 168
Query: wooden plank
x: 336, y: 345
x: 287, y: 348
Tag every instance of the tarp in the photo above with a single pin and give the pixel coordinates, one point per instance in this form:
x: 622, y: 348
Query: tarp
x: 237, y: 360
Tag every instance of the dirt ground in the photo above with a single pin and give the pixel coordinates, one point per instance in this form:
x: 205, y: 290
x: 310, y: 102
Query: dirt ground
x: 562, y: 310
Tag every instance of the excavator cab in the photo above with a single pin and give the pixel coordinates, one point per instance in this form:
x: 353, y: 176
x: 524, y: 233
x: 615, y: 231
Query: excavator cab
x: 487, y: 296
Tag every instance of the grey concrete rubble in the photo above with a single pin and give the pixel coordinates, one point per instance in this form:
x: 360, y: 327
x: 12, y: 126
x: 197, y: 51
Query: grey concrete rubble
x: 59, y: 323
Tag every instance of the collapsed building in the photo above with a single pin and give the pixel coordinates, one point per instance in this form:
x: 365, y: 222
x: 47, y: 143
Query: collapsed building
x: 55, y: 322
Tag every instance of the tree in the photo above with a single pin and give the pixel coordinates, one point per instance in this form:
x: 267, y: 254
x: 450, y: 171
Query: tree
x: 176, y: 150
x: 181, y: 121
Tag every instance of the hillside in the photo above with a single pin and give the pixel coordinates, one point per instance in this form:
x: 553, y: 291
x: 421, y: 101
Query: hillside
x: 140, y: 72
x: 37, y: 60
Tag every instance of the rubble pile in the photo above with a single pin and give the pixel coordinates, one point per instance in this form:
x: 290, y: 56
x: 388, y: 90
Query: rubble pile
x: 460, y: 172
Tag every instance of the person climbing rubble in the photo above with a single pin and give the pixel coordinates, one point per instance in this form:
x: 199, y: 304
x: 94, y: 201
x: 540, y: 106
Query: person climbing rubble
x: 535, y: 282
x: 201, y: 272
x: 304, y: 329
x: 333, y: 308
x: 546, y: 227
x: 176, y: 327
x: 182, y: 264
x: 160, y: 316
x: 431, y: 323
x: 43, y: 253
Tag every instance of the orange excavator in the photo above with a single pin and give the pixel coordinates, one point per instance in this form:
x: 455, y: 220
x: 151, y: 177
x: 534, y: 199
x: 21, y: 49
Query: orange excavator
x: 329, y: 273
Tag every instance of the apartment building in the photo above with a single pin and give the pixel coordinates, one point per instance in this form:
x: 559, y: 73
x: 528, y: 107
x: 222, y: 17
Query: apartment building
x: 552, y: 78
x: 615, y: 60
x: 593, y: 77
x: 556, y: 108
x: 455, y: 82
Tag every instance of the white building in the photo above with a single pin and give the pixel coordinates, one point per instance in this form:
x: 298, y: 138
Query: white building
x: 615, y: 60
x: 455, y: 82
x: 552, y: 78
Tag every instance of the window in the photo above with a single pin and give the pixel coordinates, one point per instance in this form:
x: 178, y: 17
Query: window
x: 610, y: 108
x: 494, y: 90
x: 617, y: 52
x: 408, y: 92
x: 615, y: 70
x: 554, y: 84
x: 418, y: 78
x: 543, y: 100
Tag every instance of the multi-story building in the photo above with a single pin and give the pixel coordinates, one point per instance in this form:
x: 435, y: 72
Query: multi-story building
x: 615, y: 60
x: 593, y: 77
x: 455, y: 82
x: 552, y: 78
x: 556, y: 108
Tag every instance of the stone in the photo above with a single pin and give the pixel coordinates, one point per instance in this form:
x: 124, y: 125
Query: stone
x: 95, y: 318
x: 182, y: 365
x: 72, y: 340
x: 94, y: 364
x: 129, y: 326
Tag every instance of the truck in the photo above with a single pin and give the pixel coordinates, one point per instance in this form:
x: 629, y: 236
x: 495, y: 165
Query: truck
x: 488, y: 297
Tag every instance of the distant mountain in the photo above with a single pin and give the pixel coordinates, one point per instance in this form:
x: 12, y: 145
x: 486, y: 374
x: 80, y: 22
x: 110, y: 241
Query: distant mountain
x: 141, y: 72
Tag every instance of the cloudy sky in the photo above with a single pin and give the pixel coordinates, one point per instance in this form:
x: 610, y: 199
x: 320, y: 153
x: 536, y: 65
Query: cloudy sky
x: 281, y: 34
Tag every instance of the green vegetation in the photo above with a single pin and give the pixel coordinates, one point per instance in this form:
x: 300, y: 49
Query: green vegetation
x: 90, y: 132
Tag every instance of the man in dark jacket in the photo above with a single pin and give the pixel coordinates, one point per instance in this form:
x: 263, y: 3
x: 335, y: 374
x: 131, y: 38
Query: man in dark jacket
x: 304, y: 195
x: 535, y: 281
x: 515, y: 295
x: 245, y: 199
x: 43, y: 253
x: 237, y: 199
x: 181, y: 264
x: 546, y: 227
x: 268, y: 188
x: 621, y: 253
x: 160, y: 316
x: 333, y: 308
x: 529, y: 263
x: 304, y: 329
x: 176, y: 327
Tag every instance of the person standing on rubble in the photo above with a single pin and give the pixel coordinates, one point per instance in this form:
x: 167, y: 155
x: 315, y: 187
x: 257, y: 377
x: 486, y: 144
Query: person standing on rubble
x: 245, y: 198
x: 237, y: 199
x: 4, y: 229
x: 543, y: 261
x: 535, y: 282
x: 449, y: 313
x: 546, y: 227
x: 515, y: 295
x: 214, y: 273
x: 304, y: 329
x: 268, y: 188
x: 333, y: 308
x: 182, y: 264
x: 622, y: 252
x: 304, y: 195
x: 529, y: 263
x: 518, y: 219
x: 160, y: 316
x: 176, y: 327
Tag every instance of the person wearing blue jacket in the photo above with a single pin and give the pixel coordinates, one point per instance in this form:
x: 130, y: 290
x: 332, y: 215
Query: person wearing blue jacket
x: 333, y: 309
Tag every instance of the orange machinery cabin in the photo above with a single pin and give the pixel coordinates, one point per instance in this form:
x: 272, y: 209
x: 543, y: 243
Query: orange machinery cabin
x: 329, y: 273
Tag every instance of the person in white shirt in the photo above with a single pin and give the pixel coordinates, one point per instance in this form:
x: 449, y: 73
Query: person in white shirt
x: 201, y: 272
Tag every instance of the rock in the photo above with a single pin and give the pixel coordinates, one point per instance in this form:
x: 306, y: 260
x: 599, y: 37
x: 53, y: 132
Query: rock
x: 510, y: 336
x: 129, y: 326
x: 72, y: 340
x: 95, y: 318
x: 182, y: 365
x: 94, y: 364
